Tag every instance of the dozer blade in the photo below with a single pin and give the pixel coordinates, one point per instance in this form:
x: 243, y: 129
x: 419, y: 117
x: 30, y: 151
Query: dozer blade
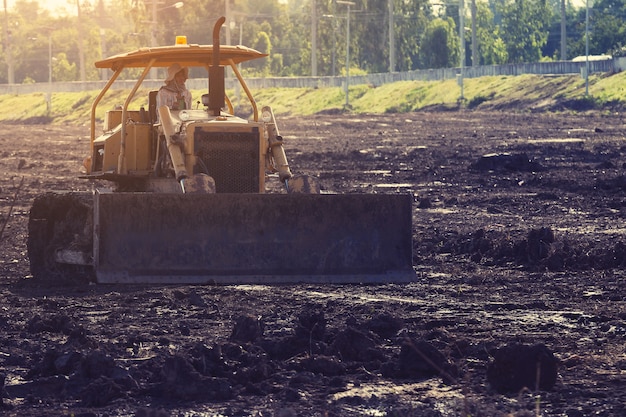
x: 252, y: 238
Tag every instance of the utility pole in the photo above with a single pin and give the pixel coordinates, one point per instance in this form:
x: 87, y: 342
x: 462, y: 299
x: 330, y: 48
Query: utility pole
x: 103, y: 49
x: 49, y: 94
x: 392, y: 40
x: 563, y: 33
x: 462, y: 43
x: 334, y: 23
x: 228, y: 21
x: 587, y: 48
x: 154, y: 27
x: 474, y: 42
x: 153, y: 31
x: 8, y: 47
x: 81, y: 49
x: 347, y: 3
x: 314, y: 38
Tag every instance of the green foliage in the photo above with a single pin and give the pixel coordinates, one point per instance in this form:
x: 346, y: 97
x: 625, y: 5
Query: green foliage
x: 524, y: 29
x: 412, y: 19
x: 440, y: 44
x: 425, y: 33
x: 491, y: 47
x: 62, y: 69
x: 353, y: 71
x: 369, y: 34
x: 608, y: 28
x: 263, y: 44
x: 276, y: 63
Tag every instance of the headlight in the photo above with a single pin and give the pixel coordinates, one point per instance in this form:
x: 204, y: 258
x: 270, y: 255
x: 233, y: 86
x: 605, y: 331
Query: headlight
x: 184, y: 115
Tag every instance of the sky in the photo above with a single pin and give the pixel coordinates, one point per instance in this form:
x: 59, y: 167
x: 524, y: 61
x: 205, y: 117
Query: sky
x: 55, y: 6
x: 69, y: 6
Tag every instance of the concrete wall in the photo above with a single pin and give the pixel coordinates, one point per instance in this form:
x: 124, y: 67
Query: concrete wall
x: 619, y: 63
x: 546, y: 68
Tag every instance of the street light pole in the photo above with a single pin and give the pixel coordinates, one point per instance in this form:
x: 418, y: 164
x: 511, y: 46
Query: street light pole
x: 334, y: 51
x: 314, y: 38
x: 462, y: 45
x: 8, y: 48
x: 347, y: 3
x: 81, y: 49
x: 49, y: 95
x: 392, y: 37
x: 153, y: 70
x: 586, y: 48
x: 153, y: 27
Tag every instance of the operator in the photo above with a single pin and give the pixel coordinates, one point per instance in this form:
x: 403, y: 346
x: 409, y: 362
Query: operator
x: 174, y: 93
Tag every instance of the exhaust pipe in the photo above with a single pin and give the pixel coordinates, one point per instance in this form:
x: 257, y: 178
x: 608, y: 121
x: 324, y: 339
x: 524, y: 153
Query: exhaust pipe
x: 217, y: 89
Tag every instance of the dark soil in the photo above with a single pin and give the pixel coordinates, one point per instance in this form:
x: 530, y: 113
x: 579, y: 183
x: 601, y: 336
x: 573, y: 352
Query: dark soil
x: 518, y: 306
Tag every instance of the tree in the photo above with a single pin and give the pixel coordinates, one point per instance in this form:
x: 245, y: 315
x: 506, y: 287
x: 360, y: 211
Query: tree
x: 370, y: 33
x: 411, y: 20
x: 507, y: 31
x: 491, y: 48
x: 330, y: 31
x: 552, y: 48
x: 440, y: 44
x: 289, y: 39
x: 262, y: 44
x: 62, y: 69
x: 607, y: 27
x: 196, y: 20
x: 525, y: 26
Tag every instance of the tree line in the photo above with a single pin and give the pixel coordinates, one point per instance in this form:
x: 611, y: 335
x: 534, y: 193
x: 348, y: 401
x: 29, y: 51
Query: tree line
x: 39, y: 45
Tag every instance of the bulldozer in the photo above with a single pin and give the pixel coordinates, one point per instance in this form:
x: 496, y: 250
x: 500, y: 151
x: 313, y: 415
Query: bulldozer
x: 186, y: 198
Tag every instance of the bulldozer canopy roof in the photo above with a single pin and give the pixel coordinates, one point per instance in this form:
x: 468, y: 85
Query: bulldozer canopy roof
x: 185, y: 55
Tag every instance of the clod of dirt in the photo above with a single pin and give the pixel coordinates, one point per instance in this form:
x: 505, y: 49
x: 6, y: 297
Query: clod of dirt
x: 517, y: 366
x: 385, y: 325
x: 543, y: 251
x: 311, y: 324
x: 507, y: 162
x: 97, y: 364
x: 424, y: 203
x: 3, y: 392
x: 56, y: 363
x: 539, y: 243
x: 48, y: 387
x: 419, y: 359
x: 181, y: 381
x: 287, y: 347
x: 353, y: 345
x: 196, y: 300
x: 325, y: 365
x: 248, y: 328
x: 617, y: 183
x: 101, y: 392
x: 58, y: 323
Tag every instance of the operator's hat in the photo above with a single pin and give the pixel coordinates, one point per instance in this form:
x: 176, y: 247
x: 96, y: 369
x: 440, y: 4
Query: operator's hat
x: 175, y: 69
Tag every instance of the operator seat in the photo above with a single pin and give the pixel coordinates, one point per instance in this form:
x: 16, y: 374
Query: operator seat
x: 152, y: 103
x: 153, y: 119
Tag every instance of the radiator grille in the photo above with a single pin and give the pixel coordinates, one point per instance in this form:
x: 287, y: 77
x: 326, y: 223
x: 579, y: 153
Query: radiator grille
x: 232, y: 159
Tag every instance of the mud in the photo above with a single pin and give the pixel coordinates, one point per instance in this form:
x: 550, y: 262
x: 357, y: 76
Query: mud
x: 517, y: 308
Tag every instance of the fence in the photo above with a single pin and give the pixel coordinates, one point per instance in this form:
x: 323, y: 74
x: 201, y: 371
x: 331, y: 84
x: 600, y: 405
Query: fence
x: 543, y: 68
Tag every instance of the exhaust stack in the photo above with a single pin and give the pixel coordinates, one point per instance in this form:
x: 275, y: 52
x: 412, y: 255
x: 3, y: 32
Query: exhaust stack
x: 217, y: 88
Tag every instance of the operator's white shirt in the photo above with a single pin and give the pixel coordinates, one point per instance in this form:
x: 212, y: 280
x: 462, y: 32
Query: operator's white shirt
x: 175, y: 100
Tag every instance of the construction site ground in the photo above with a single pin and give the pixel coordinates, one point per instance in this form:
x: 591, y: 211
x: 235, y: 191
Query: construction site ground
x: 519, y: 230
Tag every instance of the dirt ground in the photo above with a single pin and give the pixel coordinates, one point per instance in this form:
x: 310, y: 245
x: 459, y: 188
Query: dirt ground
x: 518, y: 305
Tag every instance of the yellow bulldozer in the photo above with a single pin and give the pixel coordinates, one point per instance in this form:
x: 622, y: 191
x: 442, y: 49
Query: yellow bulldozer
x: 186, y: 199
